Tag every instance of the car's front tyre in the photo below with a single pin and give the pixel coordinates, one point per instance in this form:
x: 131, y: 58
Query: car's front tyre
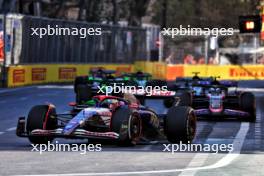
x: 248, y: 104
x: 41, y: 117
x: 127, y: 124
x: 180, y: 124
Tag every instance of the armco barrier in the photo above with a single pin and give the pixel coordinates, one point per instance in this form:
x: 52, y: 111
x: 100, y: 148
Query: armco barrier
x: 52, y: 73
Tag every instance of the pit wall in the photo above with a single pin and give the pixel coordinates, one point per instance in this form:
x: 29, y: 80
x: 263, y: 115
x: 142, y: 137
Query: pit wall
x: 22, y: 75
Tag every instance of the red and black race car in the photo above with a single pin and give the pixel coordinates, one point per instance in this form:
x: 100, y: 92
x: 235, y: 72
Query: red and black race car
x: 108, y: 117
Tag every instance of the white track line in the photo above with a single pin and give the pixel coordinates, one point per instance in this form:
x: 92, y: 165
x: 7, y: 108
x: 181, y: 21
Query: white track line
x: 55, y: 87
x: 1, y: 132
x: 225, y: 161
x: 11, y: 129
x: 6, y: 90
x: 198, y: 161
x: 251, y: 89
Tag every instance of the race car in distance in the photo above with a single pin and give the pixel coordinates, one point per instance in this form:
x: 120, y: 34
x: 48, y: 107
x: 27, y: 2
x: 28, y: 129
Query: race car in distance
x: 96, y: 77
x: 118, y: 119
x: 101, y: 76
x: 88, y: 86
x: 85, y: 88
x: 138, y: 78
x: 217, y: 100
x: 196, y: 83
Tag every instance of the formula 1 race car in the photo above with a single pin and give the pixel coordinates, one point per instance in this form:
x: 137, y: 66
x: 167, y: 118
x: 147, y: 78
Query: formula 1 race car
x: 187, y: 83
x: 138, y: 78
x: 106, y: 77
x: 85, y: 88
x: 217, y: 100
x: 122, y: 120
x: 196, y: 84
x: 96, y: 77
x: 90, y: 85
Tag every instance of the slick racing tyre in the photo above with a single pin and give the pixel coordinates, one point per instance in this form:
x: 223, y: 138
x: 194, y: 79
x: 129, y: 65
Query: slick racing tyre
x: 180, y: 124
x: 128, y: 125
x: 83, y: 93
x: 185, y: 98
x: 247, y: 103
x: 36, y: 119
x: 80, y: 80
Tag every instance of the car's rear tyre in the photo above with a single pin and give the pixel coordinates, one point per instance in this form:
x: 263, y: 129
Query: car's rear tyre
x: 248, y: 104
x: 83, y: 94
x: 79, y: 80
x: 185, y: 98
x: 180, y: 124
x: 36, y: 120
x: 128, y: 125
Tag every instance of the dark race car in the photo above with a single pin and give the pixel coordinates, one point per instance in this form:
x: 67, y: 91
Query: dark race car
x: 217, y: 100
x: 196, y: 84
x: 85, y: 90
x: 95, y: 78
x: 138, y: 78
x: 122, y: 120
x: 85, y: 87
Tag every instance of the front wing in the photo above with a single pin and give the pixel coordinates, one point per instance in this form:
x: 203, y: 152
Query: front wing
x: 225, y: 112
x: 58, y: 133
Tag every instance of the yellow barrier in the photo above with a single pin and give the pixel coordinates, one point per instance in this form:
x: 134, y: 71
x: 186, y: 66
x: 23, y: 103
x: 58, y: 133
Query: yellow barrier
x: 157, y: 69
x: 35, y: 74
x: 234, y: 72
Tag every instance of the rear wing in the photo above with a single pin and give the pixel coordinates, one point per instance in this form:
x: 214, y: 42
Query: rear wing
x: 159, y: 101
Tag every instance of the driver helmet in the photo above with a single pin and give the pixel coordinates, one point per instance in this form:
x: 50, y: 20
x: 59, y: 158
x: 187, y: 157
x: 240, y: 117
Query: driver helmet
x: 130, y: 98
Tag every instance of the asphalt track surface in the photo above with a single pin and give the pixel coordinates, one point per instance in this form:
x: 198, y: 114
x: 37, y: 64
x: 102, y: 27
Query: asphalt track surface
x: 16, y: 157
